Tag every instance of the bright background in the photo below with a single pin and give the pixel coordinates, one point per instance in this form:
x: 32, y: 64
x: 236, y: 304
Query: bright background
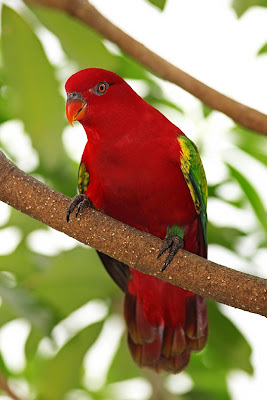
x: 206, y: 39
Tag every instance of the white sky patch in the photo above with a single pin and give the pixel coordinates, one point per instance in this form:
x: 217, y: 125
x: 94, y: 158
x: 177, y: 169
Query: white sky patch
x: 77, y: 394
x: 260, y: 262
x: 18, y: 145
x: 5, y: 212
x: 21, y: 387
x: 214, y: 135
x: 210, y: 43
x: 247, y: 246
x: 74, y: 140
x: 50, y: 242
x: 13, y: 336
x: 221, y: 255
x: 132, y: 389
x: 52, y: 46
x: 229, y: 191
x: 100, y: 355
x: 112, y: 47
x: 18, y: 5
x: 9, y: 239
x: 224, y: 214
x: 179, y: 384
x: 138, y: 86
x: 89, y: 313
x: 253, y: 170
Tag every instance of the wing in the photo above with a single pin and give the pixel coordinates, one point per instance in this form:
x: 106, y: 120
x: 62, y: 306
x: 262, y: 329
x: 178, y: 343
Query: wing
x: 195, y: 177
x: 83, y: 178
x: 118, y: 271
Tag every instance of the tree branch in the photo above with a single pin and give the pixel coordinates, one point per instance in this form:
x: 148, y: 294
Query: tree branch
x: 85, y: 12
x: 5, y: 387
x: 133, y: 247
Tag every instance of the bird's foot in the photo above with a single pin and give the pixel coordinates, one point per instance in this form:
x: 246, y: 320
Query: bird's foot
x: 80, y: 201
x: 174, y: 243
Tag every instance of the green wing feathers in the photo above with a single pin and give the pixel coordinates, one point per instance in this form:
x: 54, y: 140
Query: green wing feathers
x: 193, y: 171
x: 83, y: 178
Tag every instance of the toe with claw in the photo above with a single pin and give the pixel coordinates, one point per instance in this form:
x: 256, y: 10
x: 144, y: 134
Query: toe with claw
x: 174, y: 243
x: 80, y: 201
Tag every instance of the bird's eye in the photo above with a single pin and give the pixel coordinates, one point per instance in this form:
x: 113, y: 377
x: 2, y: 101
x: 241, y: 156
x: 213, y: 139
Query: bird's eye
x: 100, y: 88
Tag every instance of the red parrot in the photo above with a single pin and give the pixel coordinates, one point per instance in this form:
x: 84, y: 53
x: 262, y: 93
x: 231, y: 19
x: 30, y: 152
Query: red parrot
x: 141, y: 169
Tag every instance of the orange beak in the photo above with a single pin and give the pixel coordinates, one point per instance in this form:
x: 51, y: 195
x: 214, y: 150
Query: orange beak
x: 75, y: 107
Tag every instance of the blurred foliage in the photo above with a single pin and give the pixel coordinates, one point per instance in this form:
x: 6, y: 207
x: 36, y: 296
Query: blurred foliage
x: 263, y: 49
x: 158, y: 3
x: 45, y: 290
x: 241, y: 6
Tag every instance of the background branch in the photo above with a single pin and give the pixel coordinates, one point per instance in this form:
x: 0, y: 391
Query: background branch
x: 133, y: 247
x: 85, y: 12
x: 5, y: 387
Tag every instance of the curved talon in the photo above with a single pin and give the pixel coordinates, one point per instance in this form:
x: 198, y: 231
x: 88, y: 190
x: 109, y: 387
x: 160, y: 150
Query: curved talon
x: 174, y: 243
x: 81, y: 201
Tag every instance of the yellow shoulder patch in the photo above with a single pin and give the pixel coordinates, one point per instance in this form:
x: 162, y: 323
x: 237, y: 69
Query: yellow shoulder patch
x: 83, y: 178
x: 186, y: 163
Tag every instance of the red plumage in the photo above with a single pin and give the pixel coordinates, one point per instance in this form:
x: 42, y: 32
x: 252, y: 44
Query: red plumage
x: 132, y: 157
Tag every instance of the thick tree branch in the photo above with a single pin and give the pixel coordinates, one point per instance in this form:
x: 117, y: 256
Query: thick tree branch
x: 85, y: 12
x: 133, y: 247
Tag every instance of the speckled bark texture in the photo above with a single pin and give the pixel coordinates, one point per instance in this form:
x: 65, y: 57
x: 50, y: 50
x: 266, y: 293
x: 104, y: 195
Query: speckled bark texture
x: 85, y: 12
x: 129, y: 245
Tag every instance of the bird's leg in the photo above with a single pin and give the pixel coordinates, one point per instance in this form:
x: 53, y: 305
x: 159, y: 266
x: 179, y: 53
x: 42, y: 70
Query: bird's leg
x: 174, y: 243
x: 81, y: 201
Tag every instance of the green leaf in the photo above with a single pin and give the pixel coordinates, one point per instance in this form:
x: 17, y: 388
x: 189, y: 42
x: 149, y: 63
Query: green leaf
x: 22, y: 221
x: 224, y: 236
x: 156, y: 96
x: 123, y: 366
x: 206, y: 110
x: 226, y: 350
x: 128, y: 68
x: 262, y: 50
x: 158, y: 3
x: 5, y: 112
x: 160, y: 101
x: 25, y: 305
x: 33, y: 88
x: 61, y: 373
x: 32, y: 343
x: 3, y: 368
x: 85, y: 47
x: 79, y: 41
x: 248, y: 141
x: 24, y: 263
x: 66, y: 281
x: 252, y: 196
x: 241, y: 6
x: 71, y: 279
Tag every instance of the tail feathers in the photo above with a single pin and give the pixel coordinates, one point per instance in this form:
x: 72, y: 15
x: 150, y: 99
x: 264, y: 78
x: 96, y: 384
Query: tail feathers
x: 174, y: 342
x: 196, y: 325
x: 165, y: 347
x: 139, y: 327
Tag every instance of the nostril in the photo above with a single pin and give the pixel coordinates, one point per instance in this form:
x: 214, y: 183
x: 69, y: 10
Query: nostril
x: 75, y: 96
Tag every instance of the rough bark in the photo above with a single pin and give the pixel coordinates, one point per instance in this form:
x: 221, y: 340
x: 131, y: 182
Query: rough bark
x: 129, y: 245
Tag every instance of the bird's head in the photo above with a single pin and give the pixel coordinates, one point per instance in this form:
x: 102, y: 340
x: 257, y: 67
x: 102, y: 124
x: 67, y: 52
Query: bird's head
x: 95, y: 97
